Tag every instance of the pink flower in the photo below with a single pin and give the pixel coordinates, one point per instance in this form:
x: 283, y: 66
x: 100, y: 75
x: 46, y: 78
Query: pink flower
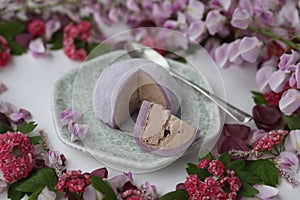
x: 216, y: 167
x: 290, y: 101
x: 203, y: 164
x: 74, y: 181
x: 250, y: 48
x: 16, y: 156
x: 234, y: 55
x: 52, y: 26
x: 240, y: 18
x: 37, y: 27
x: 289, y: 14
x: 214, y: 21
x: 37, y: 47
x: 194, y: 10
x: 84, y: 26
x: 235, y: 183
x: 197, y: 31
x: 4, y: 58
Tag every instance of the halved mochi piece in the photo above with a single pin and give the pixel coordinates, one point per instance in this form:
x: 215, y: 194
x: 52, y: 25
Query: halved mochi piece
x: 158, y: 131
x: 122, y: 86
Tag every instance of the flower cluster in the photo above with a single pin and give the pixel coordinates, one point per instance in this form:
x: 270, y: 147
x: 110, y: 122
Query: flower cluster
x: 280, y: 82
x: 4, y: 52
x: 267, y: 142
x: 70, y: 118
x: 76, y: 33
x: 16, y: 153
x: 223, y: 184
x: 73, y: 181
x: 12, y: 115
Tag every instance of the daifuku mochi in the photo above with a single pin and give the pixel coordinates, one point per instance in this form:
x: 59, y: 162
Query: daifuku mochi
x: 122, y: 86
x: 158, y: 131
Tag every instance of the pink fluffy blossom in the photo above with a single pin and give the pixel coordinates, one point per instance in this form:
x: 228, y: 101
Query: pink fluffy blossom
x: 16, y: 153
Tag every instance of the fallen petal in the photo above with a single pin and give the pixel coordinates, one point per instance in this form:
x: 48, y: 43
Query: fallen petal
x: 266, y: 192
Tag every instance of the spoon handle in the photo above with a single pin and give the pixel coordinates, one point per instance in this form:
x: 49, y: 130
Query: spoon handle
x: 231, y: 110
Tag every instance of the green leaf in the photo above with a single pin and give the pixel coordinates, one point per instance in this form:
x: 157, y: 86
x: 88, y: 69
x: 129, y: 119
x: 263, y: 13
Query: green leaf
x: 39, y: 179
x: 103, y: 187
x: 205, y: 154
x: 193, y: 169
x: 12, y: 193
x: 292, y: 121
x: 79, y: 43
x: 258, y: 98
x: 249, y: 177
x: 86, y: 18
x: 10, y: 29
x: 4, y: 128
x: 225, y: 159
x: 247, y: 190
x: 26, y: 127
x: 175, y: 195
x: 57, y: 40
x: 266, y: 170
x: 237, y: 165
x: 15, y: 48
x: 91, y: 47
x: 35, y: 139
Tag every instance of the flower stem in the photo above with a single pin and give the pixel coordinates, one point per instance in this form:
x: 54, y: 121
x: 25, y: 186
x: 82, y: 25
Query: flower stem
x: 275, y: 37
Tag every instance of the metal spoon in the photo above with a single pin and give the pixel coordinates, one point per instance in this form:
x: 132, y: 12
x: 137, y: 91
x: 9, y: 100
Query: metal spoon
x: 137, y: 50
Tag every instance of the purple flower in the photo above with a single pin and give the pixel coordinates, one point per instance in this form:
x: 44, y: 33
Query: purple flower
x: 266, y: 192
x: 47, y: 194
x: 53, y: 158
x: 234, y: 55
x: 194, y: 10
x: 132, y: 5
x: 197, y: 30
x: 289, y: 14
x: 234, y: 138
x: 214, y: 21
x: 292, y: 142
x: 221, y: 56
x: 52, y: 26
x: 262, y: 78
x: 277, y: 81
x: 12, y: 112
x: 289, y: 162
x: 37, y: 47
x: 266, y: 117
x: 70, y: 115
x: 288, y: 59
x: 250, y: 48
x: 223, y: 4
x: 174, y: 24
x: 117, y: 182
x: 78, y: 131
x: 241, y: 18
x: 290, y: 101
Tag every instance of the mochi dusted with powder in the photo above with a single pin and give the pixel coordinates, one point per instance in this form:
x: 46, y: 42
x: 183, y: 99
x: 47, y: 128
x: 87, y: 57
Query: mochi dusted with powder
x: 122, y: 86
x: 158, y: 131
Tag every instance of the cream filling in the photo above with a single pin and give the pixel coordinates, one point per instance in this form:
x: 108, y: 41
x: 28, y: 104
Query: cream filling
x: 162, y: 130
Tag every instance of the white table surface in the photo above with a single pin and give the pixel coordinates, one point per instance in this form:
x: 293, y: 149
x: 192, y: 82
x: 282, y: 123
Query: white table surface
x: 30, y: 83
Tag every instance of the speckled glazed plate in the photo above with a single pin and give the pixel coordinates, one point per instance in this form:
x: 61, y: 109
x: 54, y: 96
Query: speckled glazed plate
x: 116, y: 148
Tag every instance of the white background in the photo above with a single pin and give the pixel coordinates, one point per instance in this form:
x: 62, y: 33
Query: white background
x: 30, y: 84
